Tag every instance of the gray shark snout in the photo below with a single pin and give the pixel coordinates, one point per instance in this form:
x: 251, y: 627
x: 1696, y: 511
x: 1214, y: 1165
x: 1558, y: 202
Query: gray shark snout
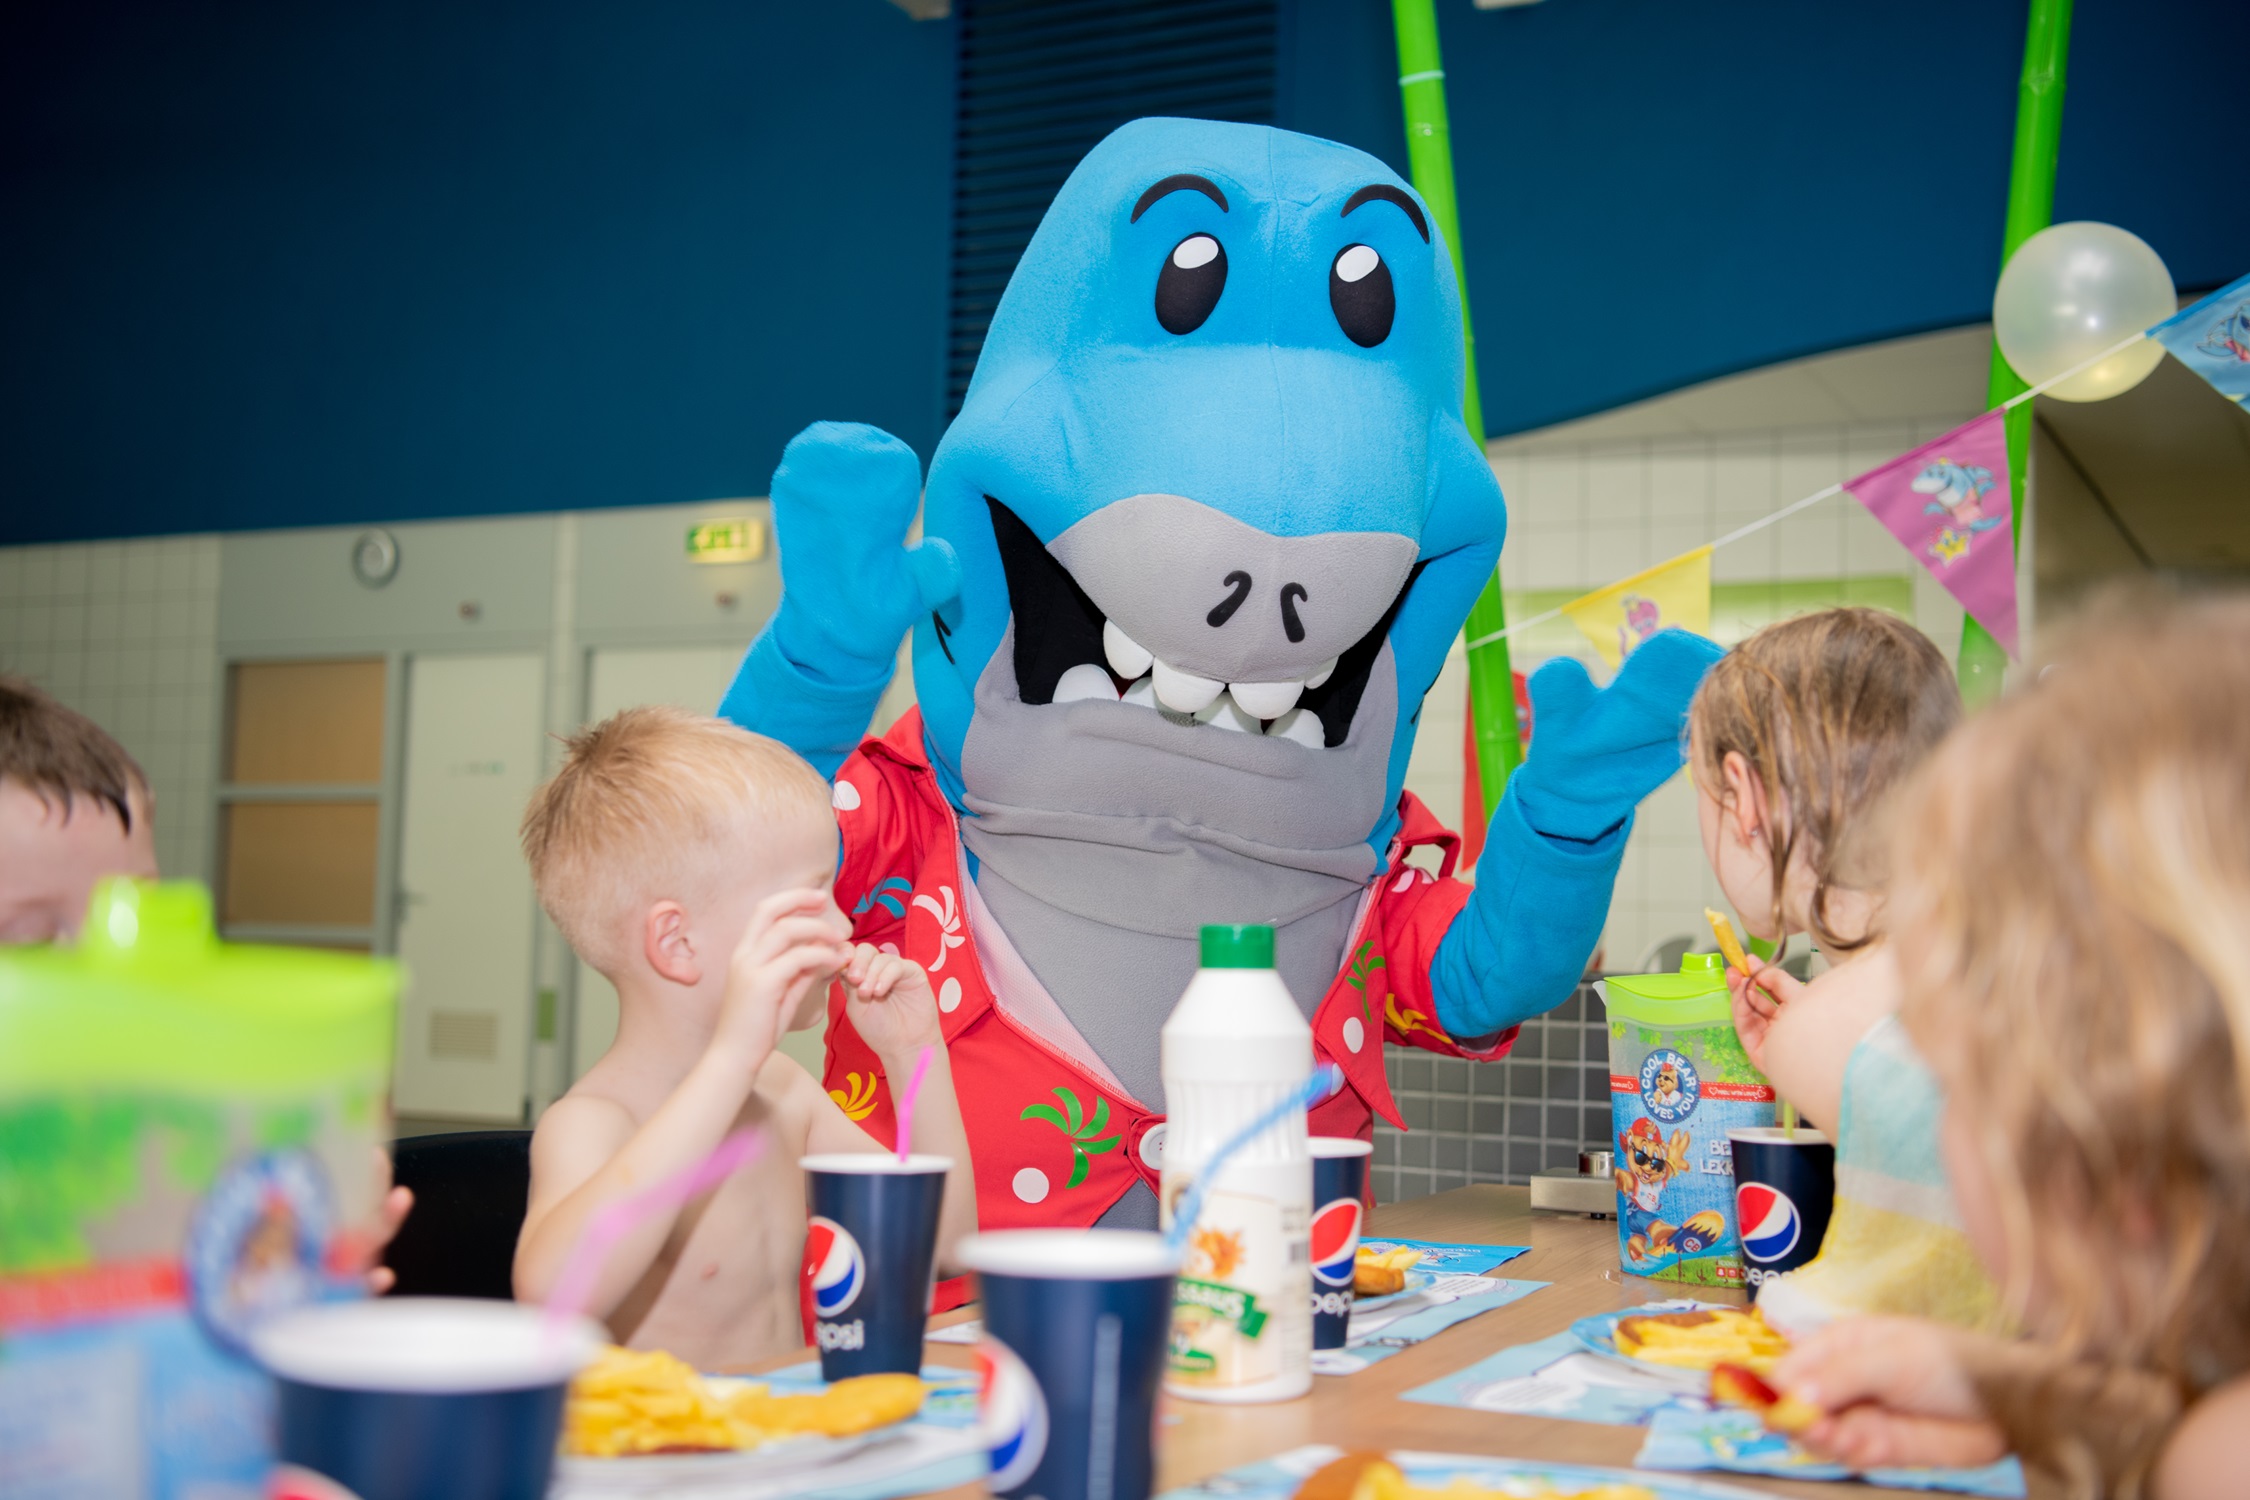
x: 1203, y: 601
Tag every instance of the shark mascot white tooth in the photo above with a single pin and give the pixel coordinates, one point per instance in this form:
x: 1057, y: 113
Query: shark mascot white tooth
x: 1192, y: 553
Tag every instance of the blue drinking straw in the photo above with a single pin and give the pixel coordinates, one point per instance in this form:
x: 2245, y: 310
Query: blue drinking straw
x: 1325, y: 1080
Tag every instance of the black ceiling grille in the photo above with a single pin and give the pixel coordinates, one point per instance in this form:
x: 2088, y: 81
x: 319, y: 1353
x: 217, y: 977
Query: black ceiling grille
x: 1041, y: 81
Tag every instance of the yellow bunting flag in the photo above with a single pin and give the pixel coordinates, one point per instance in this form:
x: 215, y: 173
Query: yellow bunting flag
x: 1618, y: 618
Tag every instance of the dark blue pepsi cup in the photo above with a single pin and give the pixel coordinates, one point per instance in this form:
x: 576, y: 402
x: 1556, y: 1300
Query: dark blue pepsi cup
x: 870, y: 1254
x: 415, y: 1396
x: 1339, y: 1191
x: 1075, y: 1326
x: 1784, y: 1189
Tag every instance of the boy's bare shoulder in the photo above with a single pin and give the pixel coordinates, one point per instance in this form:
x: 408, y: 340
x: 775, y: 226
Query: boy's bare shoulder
x: 583, y: 1123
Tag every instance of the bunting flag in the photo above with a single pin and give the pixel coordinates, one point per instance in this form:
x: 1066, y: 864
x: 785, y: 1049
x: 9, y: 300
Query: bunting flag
x: 1618, y: 618
x: 1948, y: 503
x: 2212, y: 338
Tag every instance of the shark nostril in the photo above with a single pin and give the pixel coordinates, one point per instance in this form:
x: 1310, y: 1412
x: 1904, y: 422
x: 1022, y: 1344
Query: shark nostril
x: 1291, y: 626
x: 1223, y: 611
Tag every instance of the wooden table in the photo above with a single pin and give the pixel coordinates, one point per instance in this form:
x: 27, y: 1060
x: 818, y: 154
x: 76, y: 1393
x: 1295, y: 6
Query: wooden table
x: 1577, y: 1255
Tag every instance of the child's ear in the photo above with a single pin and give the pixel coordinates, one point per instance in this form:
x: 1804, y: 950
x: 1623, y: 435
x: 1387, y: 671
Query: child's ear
x: 1744, y: 797
x: 668, y: 945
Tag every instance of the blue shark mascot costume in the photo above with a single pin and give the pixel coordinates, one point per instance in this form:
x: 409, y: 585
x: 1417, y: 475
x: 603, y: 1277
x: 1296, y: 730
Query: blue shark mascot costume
x: 1192, y: 554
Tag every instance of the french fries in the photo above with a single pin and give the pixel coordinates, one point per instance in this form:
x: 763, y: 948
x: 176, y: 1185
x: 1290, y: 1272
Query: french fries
x: 1701, y: 1340
x: 1729, y: 944
x: 1378, y: 1273
x: 1732, y: 1385
x: 633, y: 1401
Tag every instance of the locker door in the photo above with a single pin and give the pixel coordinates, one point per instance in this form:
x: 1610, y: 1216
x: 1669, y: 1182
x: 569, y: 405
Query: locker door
x: 466, y: 910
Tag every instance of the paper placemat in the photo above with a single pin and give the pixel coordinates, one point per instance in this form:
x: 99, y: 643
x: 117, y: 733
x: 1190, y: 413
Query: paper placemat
x: 1559, y: 1376
x: 1696, y: 1435
x: 1378, y: 1332
x: 1277, y: 1478
x: 1554, y: 1377
x: 1442, y: 1256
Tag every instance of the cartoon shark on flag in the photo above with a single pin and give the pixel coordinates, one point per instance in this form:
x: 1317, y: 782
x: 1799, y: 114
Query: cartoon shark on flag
x: 1957, y: 492
x: 2212, y: 338
x: 1934, y: 499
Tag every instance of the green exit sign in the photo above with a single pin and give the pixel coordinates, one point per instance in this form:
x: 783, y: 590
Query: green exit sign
x: 727, y: 539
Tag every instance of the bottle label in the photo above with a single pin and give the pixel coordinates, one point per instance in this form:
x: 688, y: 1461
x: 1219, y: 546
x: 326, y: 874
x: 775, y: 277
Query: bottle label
x: 1241, y: 1309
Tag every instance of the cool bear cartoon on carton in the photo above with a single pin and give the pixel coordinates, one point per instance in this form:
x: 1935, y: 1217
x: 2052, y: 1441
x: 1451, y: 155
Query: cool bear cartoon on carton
x: 1192, y: 553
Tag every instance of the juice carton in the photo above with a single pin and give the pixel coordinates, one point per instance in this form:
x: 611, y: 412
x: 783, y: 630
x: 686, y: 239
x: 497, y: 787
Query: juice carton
x: 1678, y: 1082
x: 187, y: 1144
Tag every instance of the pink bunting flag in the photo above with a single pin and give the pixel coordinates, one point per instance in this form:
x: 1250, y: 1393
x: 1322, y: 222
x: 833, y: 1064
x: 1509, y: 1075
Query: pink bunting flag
x: 1948, y: 503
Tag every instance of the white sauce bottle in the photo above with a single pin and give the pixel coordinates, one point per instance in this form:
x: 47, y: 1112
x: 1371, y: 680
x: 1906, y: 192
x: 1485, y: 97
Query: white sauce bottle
x: 1235, y: 1046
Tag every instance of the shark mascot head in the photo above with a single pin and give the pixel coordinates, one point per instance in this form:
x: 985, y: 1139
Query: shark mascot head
x: 1212, y: 458
x: 1192, y: 554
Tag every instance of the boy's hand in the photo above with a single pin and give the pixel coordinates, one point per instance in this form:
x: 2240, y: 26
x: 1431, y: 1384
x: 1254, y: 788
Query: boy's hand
x: 1895, y: 1393
x: 1757, y: 997
x: 890, y: 1002
x: 790, y: 945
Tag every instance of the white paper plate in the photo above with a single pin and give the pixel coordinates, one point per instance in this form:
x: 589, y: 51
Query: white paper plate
x: 655, y: 1472
x: 1416, y: 1280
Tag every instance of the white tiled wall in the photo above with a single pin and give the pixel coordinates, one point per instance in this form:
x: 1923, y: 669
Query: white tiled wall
x: 127, y: 633
x: 1584, y: 515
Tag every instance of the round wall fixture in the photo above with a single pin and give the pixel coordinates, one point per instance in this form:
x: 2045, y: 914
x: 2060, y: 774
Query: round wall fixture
x: 375, y: 558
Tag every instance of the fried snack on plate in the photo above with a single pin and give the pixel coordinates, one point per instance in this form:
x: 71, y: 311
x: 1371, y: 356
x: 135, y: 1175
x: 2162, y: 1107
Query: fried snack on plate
x: 1733, y: 1385
x: 1701, y: 1339
x: 1729, y: 944
x: 860, y: 1404
x: 633, y: 1401
x: 1378, y: 1273
x: 1371, y: 1476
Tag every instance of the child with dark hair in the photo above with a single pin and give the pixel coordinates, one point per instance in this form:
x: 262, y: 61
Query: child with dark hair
x: 73, y: 808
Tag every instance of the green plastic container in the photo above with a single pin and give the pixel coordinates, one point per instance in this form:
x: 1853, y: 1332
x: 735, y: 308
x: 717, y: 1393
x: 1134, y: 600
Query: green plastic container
x: 188, y: 1137
x: 1678, y: 1082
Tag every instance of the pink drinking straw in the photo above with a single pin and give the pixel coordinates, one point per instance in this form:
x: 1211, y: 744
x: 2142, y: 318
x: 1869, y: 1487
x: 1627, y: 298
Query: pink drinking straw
x: 906, y: 1102
x: 574, y: 1288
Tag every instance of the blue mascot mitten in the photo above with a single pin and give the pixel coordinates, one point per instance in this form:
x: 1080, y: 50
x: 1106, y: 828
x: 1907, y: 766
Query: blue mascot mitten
x: 1558, y: 835
x: 843, y: 501
x: 1596, y: 753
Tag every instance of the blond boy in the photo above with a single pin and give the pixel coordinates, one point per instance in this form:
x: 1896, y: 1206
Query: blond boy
x: 690, y: 862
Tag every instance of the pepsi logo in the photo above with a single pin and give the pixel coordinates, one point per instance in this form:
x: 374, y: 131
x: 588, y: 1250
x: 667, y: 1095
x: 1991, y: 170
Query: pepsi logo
x: 834, y: 1267
x: 1012, y: 1416
x: 1769, y: 1220
x: 1335, y: 1241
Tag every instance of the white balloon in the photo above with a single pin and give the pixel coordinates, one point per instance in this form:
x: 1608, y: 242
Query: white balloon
x: 2073, y: 290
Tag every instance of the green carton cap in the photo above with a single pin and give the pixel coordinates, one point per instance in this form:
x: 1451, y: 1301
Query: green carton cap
x: 1703, y: 963
x: 149, y: 998
x: 1245, y: 946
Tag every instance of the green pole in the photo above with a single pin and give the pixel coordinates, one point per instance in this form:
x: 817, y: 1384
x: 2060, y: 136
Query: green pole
x: 1429, y: 152
x: 2031, y: 207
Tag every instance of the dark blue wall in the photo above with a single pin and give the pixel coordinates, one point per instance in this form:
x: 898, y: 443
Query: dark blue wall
x: 273, y: 262
x: 1655, y: 193
x: 268, y: 264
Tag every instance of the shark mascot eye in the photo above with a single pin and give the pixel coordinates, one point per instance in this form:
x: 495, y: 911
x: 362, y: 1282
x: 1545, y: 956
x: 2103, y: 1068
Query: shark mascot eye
x: 1359, y: 288
x: 1188, y: 287
x: 1176, y: 603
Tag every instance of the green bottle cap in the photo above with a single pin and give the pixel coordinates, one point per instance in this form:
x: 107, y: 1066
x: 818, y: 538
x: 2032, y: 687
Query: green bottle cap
x: 1247, y: 946
x: 1702, y: 963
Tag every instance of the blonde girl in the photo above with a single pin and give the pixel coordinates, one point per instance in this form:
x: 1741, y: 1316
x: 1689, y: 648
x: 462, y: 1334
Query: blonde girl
x: 2072, y: 914
x: 1796, y: 737
x: 1799, y: 738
